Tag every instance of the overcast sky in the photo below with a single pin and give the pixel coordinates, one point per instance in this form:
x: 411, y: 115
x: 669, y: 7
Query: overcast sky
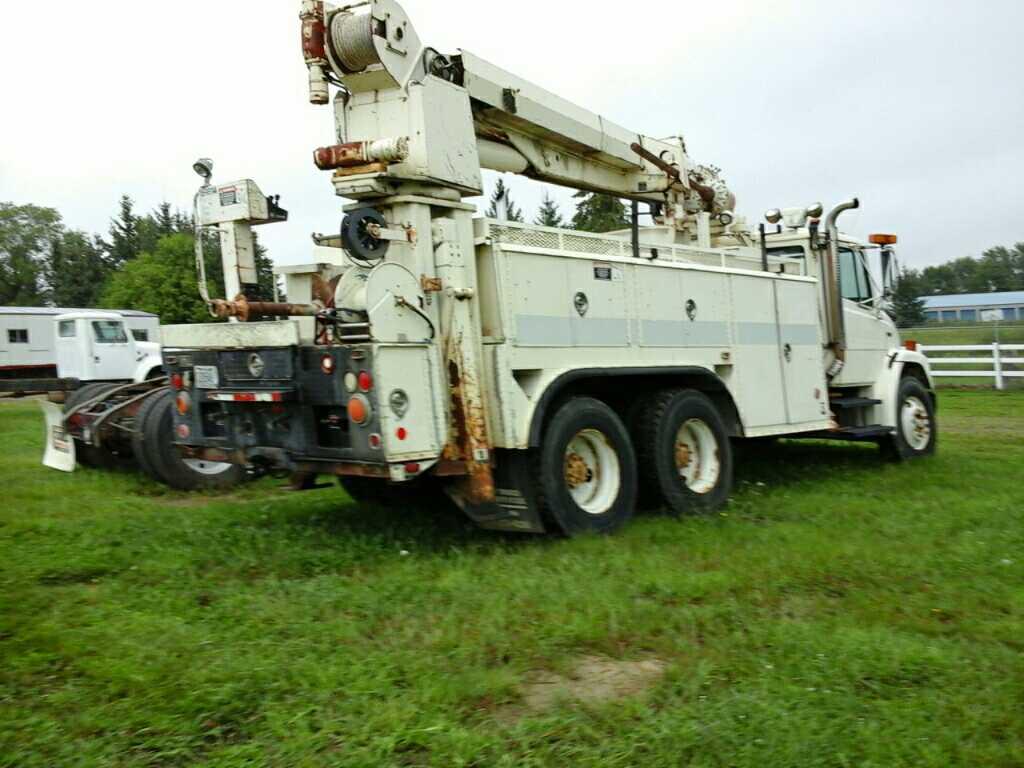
x: 917, y: 107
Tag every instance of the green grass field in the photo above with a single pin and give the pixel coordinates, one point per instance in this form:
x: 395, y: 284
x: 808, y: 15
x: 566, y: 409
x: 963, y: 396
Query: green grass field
x: 839, y: 612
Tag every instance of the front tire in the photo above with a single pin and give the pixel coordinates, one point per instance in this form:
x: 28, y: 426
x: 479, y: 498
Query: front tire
x: 916, y: 431
x: 685, y: 451
x: 587, y: 469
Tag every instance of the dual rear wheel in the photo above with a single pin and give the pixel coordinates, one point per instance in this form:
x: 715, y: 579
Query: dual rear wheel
x: 157, y: 456
x: 592, y: 468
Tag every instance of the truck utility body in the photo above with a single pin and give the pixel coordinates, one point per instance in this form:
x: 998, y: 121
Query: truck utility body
x: 537, y: 376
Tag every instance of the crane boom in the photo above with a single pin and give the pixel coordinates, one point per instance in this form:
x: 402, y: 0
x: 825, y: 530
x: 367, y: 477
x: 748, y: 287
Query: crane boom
x: 372, y: 52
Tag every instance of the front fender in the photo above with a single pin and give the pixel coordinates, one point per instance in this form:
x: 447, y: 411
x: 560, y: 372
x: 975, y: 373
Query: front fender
x: 144, y: 366
x: 886, y: 388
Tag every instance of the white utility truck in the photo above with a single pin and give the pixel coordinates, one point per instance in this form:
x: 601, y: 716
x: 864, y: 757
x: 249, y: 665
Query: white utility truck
x: 540, y: 377
x: 29, y: 344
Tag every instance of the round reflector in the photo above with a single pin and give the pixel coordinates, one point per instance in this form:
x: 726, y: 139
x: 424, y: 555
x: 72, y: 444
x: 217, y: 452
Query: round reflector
x: 358, y: 410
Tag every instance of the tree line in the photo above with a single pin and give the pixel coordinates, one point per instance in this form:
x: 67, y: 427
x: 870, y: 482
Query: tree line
x: 145, y: 262
x: 997, y: 269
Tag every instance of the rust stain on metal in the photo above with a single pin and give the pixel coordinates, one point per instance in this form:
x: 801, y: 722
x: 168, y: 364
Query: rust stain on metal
x: 246, y: 310
x: 314, y: 33
x: 351, y: 469
x: 431, y: 284
x: 575, y: 470
x: 361, y: 169
x: 450, y: 468
x: 340, y: 156
x: 470, y: 428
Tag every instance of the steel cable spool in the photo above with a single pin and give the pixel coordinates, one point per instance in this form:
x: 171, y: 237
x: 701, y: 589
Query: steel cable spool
x: 352, y: 36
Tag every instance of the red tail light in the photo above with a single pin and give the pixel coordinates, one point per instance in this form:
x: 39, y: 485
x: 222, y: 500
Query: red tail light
x: 177, y: 381
x: 365, y: 381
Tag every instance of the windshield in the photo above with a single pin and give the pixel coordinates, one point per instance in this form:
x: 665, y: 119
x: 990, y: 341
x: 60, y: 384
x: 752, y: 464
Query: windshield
x: 109, y: 332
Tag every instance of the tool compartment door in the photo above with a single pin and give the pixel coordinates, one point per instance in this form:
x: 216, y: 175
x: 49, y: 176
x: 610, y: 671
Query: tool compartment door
x: 800, y: 337
x: 759, y: 391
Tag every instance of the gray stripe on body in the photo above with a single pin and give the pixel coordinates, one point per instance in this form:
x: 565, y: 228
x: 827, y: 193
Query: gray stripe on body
x: 562, y: 331
x: 553, y: 331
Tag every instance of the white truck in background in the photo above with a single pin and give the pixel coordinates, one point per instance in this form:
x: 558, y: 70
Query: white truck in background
x: 30, y: 344
x: 108, y: 400
x: 540, y: 377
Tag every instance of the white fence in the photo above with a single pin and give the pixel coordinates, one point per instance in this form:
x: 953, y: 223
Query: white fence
x: 997, y: 357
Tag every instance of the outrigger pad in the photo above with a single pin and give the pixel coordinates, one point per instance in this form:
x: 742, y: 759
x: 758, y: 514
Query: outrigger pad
x: 60, y: 446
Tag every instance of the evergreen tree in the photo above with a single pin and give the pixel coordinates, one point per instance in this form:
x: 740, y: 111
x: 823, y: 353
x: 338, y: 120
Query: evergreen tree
x: 548, y: 214
x: 164, y: 219
x: 599, y: 213
x: 75, y: 270
x: 264, y: 289
x: 124, y: 244
x: 26, y: 232
x: 906, y: 305
x: 502, y: 196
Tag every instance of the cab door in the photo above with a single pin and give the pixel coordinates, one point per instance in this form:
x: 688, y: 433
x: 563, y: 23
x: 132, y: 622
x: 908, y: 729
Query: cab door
x: 113, y: 355
x: 73, y: 345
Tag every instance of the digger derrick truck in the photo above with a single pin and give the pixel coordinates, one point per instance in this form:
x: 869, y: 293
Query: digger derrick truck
x: 542, y: 378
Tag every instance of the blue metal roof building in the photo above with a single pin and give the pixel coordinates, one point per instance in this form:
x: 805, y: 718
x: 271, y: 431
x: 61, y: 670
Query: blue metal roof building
x: 967, y: 307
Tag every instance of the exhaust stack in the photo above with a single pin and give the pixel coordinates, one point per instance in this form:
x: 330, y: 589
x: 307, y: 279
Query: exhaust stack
x: 836, y: 326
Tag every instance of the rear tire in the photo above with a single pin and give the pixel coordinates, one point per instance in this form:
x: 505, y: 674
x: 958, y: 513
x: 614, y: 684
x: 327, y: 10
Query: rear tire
x: 587, y: 469
x: 167, y: 462
x: 917, y: 432
x: 140, y: 447
x: 685, y: 451
x: 91, y: 455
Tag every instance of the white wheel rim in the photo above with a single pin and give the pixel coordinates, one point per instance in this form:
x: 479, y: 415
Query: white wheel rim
x: 696, y: 456
x: 208, y: 467
x: 592, y: 471
x: 916, y: 423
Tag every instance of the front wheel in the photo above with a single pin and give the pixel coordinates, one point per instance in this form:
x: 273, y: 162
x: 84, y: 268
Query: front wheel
x: 916, y: 429
x: 587, y: 468
x: 685, y: 451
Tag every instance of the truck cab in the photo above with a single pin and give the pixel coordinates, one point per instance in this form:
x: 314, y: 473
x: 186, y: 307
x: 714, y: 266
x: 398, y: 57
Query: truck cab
x: 98, y: 346
x: 870, y: 331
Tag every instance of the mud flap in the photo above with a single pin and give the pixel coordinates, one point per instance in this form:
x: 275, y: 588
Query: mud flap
x: 60, y: 447
x: 517, y: 505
